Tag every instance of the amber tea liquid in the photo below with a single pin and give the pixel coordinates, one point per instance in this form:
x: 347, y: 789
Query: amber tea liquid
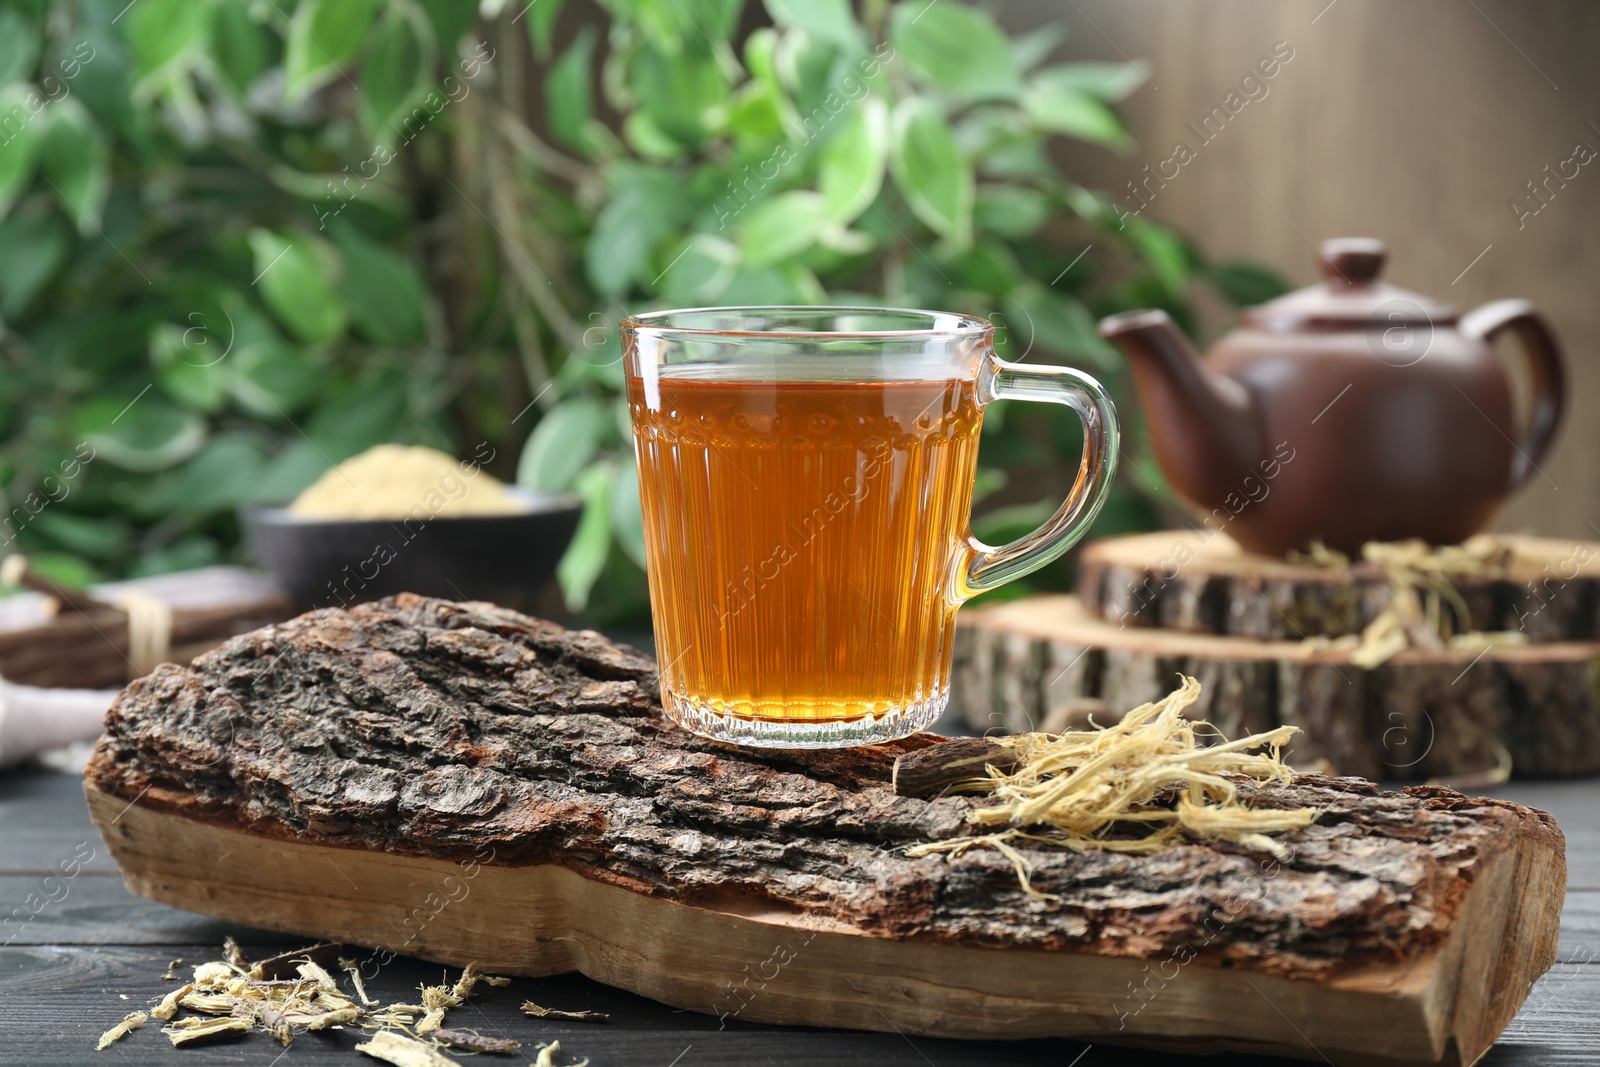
x: 802, y: 539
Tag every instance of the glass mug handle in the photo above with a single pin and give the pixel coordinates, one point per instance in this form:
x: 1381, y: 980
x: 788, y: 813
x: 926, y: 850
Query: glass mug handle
x: 987, y: 567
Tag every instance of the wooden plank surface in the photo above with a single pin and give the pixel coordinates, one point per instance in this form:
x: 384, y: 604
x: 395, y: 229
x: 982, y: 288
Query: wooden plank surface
x: 65, y: 971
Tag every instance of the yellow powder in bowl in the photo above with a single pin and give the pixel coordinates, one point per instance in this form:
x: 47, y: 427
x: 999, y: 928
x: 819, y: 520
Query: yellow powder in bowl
x: 401, y: 482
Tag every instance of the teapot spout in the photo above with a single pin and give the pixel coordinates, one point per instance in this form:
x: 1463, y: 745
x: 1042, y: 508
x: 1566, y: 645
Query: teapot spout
x: 1204, y: 427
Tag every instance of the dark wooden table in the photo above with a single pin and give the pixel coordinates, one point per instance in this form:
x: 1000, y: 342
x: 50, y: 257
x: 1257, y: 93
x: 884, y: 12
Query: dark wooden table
x: 78, y: 954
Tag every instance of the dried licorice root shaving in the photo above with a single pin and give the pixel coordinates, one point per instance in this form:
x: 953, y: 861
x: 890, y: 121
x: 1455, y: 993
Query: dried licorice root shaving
x: 1140, y: 786
x: 294, y: 992
x: 402, y: 1051
x: 472, y: 1041
x: 130, y: 1022
x: 548, y: 1054
x: 540, y: 1012
x: 1425, y: 610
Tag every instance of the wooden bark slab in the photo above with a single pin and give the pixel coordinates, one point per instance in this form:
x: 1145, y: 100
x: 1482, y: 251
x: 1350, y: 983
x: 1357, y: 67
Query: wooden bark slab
x: 1047, y: 663
x: 459, y: 782
x: 1201, y: 582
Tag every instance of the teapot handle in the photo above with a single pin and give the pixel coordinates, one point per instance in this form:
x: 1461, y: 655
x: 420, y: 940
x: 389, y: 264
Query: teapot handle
x: 1549, y: 375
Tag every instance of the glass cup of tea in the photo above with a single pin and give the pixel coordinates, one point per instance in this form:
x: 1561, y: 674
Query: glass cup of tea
x: 806, y: 478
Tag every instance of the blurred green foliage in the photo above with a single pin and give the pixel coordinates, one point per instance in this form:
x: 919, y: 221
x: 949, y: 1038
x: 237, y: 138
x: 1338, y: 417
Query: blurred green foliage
x: 245, y: 239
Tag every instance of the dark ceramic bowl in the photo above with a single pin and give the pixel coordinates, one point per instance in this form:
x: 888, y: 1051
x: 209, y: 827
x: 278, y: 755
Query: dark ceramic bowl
x: 507, y: 559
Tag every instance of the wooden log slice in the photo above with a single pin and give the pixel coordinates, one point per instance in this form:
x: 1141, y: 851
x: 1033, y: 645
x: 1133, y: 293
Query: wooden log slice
x: 1201, y: 582
x: 463, y: 783
x: 1049, y: 663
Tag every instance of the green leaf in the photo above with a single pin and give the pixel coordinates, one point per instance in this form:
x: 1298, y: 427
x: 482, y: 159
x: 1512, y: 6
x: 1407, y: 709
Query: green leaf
x: 19, y: 140
x: 806, y: 66
x: 190, y: 374
x: 541, y: 18
x: 241, y: 48
x: 566, y: 439
x: 138, y: 433
x: 1041, y: 318
x: 1127, y: 509
x: 647, y: 139
x: 360, y: 415
x: 568, y: 93
x: 162, y: 31
x: 782, y: 227
x: 988, y: 267
x: 63, y: 569
x: 627, y: 519
x: 296, y: 279
x: 1242, y: 281
x: 773, y: 285
x: 1009, y: 210
x: 221, y: 476
x: 699, y: 272
x: 392, y: 75
x: 1075, y: 113
x: 826, y: 20
x: 1163, y: 251
x: 452, y: 18
x: 954, y: 47
x: 96, y: 538
x: 323, y: 37
x: 987, y: 481
x: 585, y: 558
x: 19, y: 46
x: 756, y: 112
x: 679, y: 26
x: 186, y: 553
x: 646, y: 204
x: 1030, y: 49
x: 1110, y: 82
x: 1005, y: 143
x: 348, y: 421
x: 930, y: 170
x: 851, y: 171
x: 678, y: 92
x: 272, y: 380
x: 32, y: 248
x: 385, y: 295
x: 1003, y: 525
x: 77, y: 162
x: 761, y: 56
x: 286, y: 474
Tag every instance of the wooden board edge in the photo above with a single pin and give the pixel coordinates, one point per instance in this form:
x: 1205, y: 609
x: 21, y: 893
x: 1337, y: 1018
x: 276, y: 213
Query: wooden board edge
x: 777, y: 967
x: 1510, y: 907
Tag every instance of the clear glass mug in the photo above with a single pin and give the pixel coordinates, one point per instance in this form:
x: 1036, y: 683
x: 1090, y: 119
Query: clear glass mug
x: 806, y: 479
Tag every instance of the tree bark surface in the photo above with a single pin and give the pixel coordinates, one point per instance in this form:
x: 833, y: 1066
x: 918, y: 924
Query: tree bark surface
x: 431, y: 728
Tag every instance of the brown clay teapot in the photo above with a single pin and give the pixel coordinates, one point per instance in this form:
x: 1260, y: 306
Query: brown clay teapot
x: 1345, y: 412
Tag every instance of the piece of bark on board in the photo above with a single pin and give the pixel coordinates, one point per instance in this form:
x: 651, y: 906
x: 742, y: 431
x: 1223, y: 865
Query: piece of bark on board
x: 1046, y: 662
x: 1203, y: 582
x: 459, y: 782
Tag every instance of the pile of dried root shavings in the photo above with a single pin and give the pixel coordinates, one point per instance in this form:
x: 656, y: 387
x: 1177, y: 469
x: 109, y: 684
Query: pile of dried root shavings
x: 230, y: 997
x: 1140, y: 786
x: 1425, y: 610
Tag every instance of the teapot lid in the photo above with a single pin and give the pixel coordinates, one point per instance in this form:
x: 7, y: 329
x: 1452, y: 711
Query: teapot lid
x: 1350, y: 296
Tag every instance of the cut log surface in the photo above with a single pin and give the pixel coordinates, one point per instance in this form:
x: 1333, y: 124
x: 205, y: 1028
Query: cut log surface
x: 460, y: 782
x: 1200, y: 582
x: 1049, y: 663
